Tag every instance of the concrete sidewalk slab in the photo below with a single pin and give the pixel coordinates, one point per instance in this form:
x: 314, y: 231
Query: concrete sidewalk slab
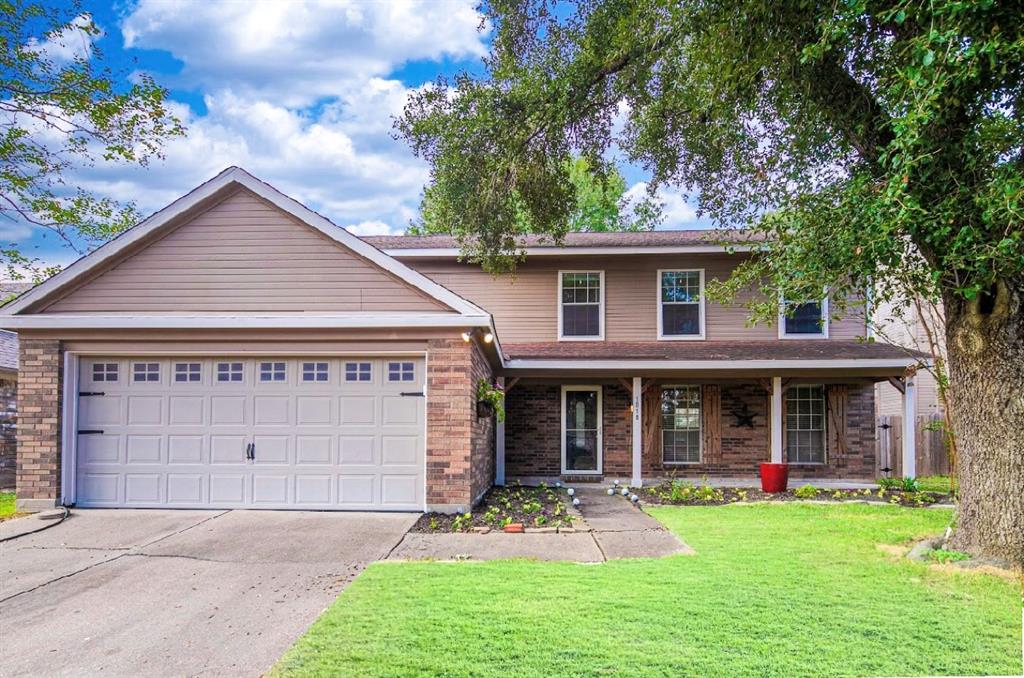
x: 578, y: 547
x: 641, y: 544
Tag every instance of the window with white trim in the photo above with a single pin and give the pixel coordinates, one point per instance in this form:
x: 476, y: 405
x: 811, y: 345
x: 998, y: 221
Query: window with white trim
x: 272, y: 371
x: 187, y: 372
x: 230, y: 372
x: 315, y: 372
x: 680, y: 304
x: 680, y: 424
x: 104, y: 371
x: 401, y: 372
x: 805, y: 424
x: 147, y: 372
x: 804, y: 318
x: 358, y: 372
x: 580, y: 314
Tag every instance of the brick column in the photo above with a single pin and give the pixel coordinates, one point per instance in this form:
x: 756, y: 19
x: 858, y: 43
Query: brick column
x: 450, y: 415
x: 40, y: 377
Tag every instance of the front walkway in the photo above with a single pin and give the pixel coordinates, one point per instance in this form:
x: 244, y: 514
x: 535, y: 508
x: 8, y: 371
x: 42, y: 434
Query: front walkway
x: 611, y: 528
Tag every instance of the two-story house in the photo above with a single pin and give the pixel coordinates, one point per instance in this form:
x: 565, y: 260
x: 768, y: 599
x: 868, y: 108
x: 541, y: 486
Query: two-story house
x: 237, y: 349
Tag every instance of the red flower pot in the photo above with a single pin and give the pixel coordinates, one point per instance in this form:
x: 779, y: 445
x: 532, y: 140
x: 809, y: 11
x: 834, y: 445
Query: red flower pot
x: 515, y: 528
x: 774, y: 477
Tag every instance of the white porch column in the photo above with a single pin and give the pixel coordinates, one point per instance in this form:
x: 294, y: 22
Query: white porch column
x: 776, y: 424
x: 910, y: 427
x: 499, y: 443
x: 638, y: 419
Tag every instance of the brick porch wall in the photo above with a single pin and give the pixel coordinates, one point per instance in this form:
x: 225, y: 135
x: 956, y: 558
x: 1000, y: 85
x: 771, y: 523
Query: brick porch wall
x: 460, y: 448
x: 40, y: 378
x: 533, y: 436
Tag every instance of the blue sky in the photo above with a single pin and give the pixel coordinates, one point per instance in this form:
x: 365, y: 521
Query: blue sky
x: 301, y: 95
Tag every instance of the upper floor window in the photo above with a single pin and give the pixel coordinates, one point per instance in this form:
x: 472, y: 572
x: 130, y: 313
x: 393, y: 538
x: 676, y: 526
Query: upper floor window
x: 581, y: 305
x: 803, y: 319
x: 681, y: 304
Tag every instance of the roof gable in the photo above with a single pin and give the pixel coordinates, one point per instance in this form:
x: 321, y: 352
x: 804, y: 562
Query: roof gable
x: 392, y: 285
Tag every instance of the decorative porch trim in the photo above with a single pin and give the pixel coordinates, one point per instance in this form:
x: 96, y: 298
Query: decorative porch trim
x: 788, y: 364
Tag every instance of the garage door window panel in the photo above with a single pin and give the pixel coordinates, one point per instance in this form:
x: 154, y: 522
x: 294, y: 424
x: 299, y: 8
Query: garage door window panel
x: 315, y: 372
x: 230, y: 372
x: 185, y: 373
x: 273, y: 372
x: 359, y: 372
x: 105, y: 372
x: 402, y: 371
x: 145, y: 373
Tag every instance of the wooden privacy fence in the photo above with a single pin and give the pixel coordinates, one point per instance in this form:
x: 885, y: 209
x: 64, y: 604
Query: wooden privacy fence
x: 932, y: 452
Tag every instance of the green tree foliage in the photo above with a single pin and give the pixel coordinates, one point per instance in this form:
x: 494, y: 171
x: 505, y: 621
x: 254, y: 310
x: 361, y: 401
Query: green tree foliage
x: 601, y: 205
x: 62, y: 108
x: 862, y: 143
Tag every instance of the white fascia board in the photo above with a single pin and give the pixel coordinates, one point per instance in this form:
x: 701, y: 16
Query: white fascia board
x: 531, y: 364
x: 229, y: 321
x: 238, y: 176
x: 429, y: 252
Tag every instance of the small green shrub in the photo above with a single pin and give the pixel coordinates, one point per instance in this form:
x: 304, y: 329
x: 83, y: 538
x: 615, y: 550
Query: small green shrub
x: 462, y: 522
x: 532, y: 506
x: 491, y: 515
x: 909, y: 484
x: 540, y: 521
x: 888, y: 483
x: 806, y: 492
x: 707, y: 493
x: 435, y: 524
x: 948, y: 556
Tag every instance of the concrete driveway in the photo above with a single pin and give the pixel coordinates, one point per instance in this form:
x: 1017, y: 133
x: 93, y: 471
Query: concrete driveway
x: 176, y: 593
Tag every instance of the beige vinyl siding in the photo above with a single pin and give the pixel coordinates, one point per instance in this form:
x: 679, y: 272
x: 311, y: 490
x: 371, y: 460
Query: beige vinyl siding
x: 906, y: 331
x: 243, y: 255
x: 525, y: 308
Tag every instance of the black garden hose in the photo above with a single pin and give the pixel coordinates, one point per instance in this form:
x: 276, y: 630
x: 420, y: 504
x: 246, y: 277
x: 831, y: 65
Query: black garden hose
x: 67, y: 512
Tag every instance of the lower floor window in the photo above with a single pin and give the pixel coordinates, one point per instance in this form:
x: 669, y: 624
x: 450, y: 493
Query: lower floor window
x: 680, y: 424
x: 805, y: 424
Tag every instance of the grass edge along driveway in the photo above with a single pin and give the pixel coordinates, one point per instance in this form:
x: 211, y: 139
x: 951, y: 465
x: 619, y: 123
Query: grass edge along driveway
x: 775, y: 590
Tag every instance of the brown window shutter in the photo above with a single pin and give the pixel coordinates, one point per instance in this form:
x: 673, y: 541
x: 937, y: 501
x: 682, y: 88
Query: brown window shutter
x: 837, y: 398
x: 651, y: 440
x: 711, y: 420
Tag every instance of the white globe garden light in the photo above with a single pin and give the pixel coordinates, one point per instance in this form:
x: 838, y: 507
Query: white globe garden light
x: 558, y: 483
x: 570, y: 492
x: 625, y: 492
x: 575, y: 501
x: 611, y: 492
x: 633, y: 498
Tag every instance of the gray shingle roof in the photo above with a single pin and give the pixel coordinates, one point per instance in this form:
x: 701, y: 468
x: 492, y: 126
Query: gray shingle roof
x: 613, y: 239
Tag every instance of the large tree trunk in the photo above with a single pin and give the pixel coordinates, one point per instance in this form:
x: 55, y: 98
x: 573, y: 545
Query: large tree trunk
x: 985, y: 343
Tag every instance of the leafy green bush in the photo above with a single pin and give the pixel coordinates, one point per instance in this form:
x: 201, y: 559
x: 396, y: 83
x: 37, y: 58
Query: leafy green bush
x: 888, y: 483
x: 948, y: 556
x: 462, y: 522
x: 707, y: 493
x: 909, y: 484
x: 806, y: 492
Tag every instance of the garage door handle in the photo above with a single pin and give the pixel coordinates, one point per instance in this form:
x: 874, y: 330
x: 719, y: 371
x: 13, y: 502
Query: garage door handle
x: 412, y: 393
x: 85, y: 394
x: 90, y: 432
x: 250, y: 451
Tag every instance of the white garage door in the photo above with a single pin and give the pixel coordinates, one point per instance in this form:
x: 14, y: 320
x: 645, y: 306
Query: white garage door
x: 303, y: 433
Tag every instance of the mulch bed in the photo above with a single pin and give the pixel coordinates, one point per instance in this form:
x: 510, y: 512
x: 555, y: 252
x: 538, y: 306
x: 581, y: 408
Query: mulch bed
x: 543, y: 506
x: 686, y: 494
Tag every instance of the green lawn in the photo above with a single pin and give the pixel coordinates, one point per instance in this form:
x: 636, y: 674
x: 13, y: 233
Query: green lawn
x: 775, y: 590
x: 6, y: 505
x: 934, y: 483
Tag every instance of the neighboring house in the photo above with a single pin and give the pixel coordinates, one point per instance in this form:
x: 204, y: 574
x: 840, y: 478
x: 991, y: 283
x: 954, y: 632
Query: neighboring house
x: 8, y: 393
x: 236, y: 349
x: 909, y: 329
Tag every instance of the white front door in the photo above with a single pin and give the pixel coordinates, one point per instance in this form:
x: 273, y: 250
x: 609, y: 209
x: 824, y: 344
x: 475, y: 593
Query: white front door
x: 581, y: 430
x: 231, y: 432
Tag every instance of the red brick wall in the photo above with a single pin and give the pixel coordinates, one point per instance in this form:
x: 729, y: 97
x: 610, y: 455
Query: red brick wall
x: 40, y: 378
x: 460, y: 448
x: 533, y: 430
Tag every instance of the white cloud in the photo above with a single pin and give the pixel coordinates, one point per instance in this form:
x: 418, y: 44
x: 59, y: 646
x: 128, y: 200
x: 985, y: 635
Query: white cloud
x: 676, y: 211
x: 370, y: 228
x: 73, y: 42
x: 300, y: 52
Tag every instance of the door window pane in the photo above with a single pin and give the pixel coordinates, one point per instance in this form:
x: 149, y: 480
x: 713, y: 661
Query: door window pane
x: 582, y: 440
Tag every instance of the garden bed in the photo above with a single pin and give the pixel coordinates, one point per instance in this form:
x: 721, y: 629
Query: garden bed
x: 533, y: 507
x: 682, y: 493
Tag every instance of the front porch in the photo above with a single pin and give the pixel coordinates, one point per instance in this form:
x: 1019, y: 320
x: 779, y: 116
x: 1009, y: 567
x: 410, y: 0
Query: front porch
x: 655, y: 427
